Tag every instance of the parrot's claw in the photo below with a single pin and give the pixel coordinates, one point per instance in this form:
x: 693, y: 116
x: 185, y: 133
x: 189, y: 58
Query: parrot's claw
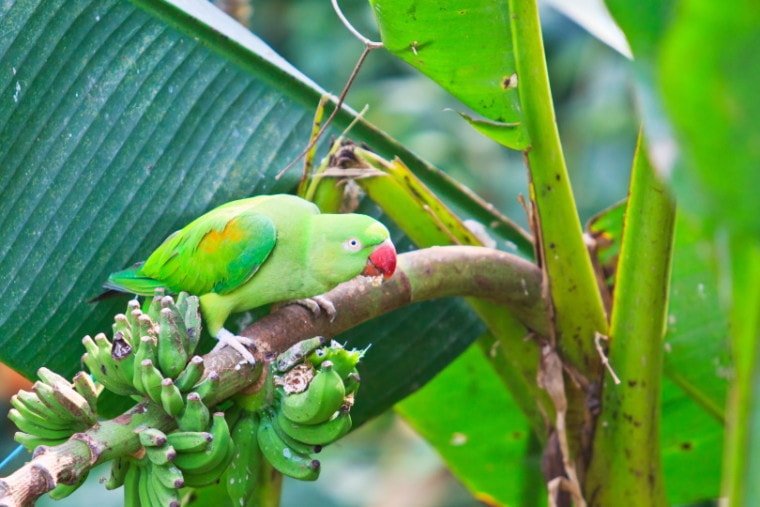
x: 316, y: 305
x: 239, y: 343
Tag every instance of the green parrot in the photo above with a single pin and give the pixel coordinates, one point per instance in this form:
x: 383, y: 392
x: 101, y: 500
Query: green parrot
x: 257, y: 251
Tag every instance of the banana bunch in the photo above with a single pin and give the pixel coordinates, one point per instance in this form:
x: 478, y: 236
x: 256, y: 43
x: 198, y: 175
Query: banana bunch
x: 171, y: 462
x: 150, y: 353
x: 146, y: 483
x: 305, y: 406
x: 54, y: 410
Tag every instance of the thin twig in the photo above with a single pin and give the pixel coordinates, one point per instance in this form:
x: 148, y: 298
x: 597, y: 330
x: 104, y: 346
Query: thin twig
x: 367, y: 42
x: 598, y: 337
x: 369, y: 45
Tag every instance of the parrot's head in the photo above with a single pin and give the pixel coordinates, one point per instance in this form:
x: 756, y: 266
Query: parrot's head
x: 349, y: 245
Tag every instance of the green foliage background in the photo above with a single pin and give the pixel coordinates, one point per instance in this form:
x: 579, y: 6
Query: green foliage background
x: 177, y: 115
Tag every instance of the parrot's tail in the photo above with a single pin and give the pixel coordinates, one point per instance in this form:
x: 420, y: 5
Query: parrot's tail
x: 106, y: 295
x: 129, y: 281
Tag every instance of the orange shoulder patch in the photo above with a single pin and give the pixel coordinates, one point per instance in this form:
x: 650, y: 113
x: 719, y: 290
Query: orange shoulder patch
x: 231, y: 233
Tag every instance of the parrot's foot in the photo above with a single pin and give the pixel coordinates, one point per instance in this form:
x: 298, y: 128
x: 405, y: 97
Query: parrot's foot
x: 316, y: 305
x: 239, y: 343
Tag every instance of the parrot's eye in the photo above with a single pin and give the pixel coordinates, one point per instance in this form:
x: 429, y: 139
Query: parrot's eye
x: 352, y: 245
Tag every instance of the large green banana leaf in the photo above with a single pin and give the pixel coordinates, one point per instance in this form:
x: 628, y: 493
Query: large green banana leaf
x: 120, y: 122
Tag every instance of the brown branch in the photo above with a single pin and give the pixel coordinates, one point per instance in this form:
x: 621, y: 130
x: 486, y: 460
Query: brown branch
x: 421, y: 275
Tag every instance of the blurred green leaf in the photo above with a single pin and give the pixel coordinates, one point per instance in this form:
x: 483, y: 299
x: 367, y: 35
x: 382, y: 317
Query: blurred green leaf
x: 697, y: 354
x: 643, y: 23
x: 714, y: 106
x: 741, y: 463
x: 691, y: 443
x: 486, y: 441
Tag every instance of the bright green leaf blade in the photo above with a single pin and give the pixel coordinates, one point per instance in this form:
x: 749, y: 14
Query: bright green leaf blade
x: 696, y: 342
x: 486, y: 442
x: 691, y: 448
x: 465, y: 48
x: 506, y: 134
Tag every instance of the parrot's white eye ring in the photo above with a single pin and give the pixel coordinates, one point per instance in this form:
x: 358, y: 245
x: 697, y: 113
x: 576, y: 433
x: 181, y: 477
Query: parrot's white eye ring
x: 352, y: 245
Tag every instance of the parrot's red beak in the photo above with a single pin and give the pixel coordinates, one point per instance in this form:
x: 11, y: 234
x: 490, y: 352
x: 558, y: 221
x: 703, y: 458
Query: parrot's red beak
x: 382, y: 260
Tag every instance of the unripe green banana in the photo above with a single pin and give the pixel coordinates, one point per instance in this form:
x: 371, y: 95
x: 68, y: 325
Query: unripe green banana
x: 46, y: 394
x: 171, y: 398
x: 151, y: 380
x: 93, y: 358
x: 208, y: 385
x: 51, y: 378
x: 168, y: 303
x: 122, y: 325
x: 145, y: 486
x: 352, y: 382
x: 189, y: 441
x: 319, y: 401
x: 297, y: 353
x: 65, y: 396
x: 33, y: 410
x: 161, y: 455
x: 146, y: 327
x: 242, y: 477
x: 213, y: 455
x: 154, y: 307
x: 181, y: 303
x: 190, y: 375
x: 296, y: 445
x: 168, y: 476
x: 119, y: 468
x: 84, y: 385
x: 151, y: 437
x: 282, y: 457
x: 31, y: 442
x: 316, y: 434
x: 123, y: 356
x: 62, y: 490
x: 195, y: 416
x: 203, y: 468
x: 192, y: 318
x: 42, y: 434
x: 90, y: 347
x: 146, y: 351
x: 132, y: 313
x: 100, y: 363
x: 132, y: 486
x: 160, y: 495
x: 172, y: 349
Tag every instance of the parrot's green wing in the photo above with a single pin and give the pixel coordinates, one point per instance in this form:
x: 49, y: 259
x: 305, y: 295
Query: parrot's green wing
x: 216, y: 253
